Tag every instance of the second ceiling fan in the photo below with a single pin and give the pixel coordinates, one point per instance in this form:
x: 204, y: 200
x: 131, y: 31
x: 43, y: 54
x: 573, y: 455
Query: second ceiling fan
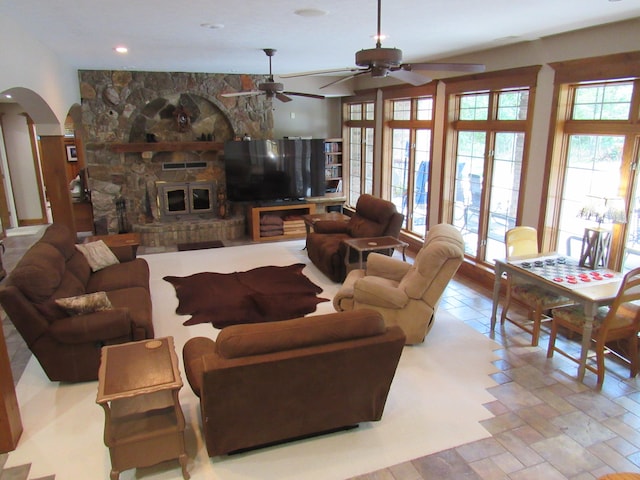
x: 383, y: 62
x: 271, y: 88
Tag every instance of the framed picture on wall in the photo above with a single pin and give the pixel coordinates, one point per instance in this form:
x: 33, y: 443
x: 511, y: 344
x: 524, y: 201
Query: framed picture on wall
x: 72, y: 154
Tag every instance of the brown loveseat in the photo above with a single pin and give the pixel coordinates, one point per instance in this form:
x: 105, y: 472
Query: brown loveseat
x: 267, y: 382
x: 68, y: 346
x: 374, y: 217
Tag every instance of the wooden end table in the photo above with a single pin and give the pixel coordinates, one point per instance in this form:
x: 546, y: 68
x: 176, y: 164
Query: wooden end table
x: 372, y: 244
x: 138, y: 385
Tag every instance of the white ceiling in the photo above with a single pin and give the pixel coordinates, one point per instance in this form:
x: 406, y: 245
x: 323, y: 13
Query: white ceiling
x: 166, y: 35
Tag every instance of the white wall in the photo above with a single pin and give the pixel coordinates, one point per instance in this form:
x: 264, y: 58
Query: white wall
x: 27, y: 67
x: 307, y: 117
x: 24, y: 178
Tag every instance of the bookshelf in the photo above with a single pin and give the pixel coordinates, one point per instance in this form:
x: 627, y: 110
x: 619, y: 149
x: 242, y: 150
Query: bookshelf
x: 333, y: 167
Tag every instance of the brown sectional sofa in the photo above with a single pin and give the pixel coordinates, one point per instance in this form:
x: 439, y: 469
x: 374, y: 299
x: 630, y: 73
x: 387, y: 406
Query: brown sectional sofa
x: 264, y: 383
x: 68, y: 346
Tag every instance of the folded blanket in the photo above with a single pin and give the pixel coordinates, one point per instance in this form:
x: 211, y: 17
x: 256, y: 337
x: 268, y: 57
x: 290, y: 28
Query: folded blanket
x: 270, y: 220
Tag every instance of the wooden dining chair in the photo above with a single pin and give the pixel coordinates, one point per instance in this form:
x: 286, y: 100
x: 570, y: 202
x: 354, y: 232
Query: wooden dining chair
x: 619, y: 321
x: 521, y: 241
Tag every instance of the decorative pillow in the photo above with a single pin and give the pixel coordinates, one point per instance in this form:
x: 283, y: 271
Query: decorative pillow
x: 83, y: 304
x: 98, y: 254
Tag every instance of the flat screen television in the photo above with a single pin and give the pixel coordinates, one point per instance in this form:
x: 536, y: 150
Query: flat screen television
x: 274, y: 170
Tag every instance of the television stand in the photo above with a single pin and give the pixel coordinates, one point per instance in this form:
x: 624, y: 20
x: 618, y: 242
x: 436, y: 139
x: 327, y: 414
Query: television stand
x: 284, y: 221
x: 283, y: 202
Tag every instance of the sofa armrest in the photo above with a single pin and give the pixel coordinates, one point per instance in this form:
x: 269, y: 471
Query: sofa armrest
x: 193, y: 354
x: 330, y: 226
x: 379, y: 265
x: 93, y: 327
x: 372, y: 291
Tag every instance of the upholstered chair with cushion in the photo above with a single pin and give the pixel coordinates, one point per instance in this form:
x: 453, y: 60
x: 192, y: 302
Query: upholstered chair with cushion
x: 406, y: 294
x: 521, y: 241
x: 374, y: 217
x: 620, y: 321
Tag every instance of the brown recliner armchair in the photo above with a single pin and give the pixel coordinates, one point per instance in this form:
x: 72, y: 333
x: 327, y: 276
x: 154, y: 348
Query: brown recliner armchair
x: 374, y: 217
x: 406, y: 295
x: 262, y: 383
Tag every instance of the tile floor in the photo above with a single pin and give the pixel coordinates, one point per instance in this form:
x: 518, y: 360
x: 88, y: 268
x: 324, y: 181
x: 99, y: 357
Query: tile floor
x: 546, y: 424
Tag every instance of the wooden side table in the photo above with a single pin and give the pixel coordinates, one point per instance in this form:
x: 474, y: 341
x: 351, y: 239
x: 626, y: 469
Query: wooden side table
x: 124, y: 245
x: 138, y: 385
x: 372, y: 244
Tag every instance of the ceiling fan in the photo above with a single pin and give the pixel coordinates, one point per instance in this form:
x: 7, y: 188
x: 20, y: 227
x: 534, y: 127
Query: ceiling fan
x: 383, y: 62
x: 270, y: 88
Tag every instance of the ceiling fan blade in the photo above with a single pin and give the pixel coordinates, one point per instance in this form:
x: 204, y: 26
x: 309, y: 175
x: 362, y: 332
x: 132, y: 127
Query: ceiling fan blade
x: 348, y: 77
x: 240, y: 94
x: 283, y: 98
x: 319, y: 72
x: 310, y: 95
x: 445, y: 67
x: 408, y: 76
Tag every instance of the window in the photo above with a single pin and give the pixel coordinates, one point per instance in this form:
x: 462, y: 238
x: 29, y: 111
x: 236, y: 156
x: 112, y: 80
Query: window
x: 410, y: 128
x: 487, y: 137
x: 596, y: 157
x: 360, y: 131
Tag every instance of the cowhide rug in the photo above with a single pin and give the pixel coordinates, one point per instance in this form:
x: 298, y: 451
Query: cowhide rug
x: 262, y: 294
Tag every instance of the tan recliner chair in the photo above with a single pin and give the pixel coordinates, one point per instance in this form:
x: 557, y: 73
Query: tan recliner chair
x: 406, y: 295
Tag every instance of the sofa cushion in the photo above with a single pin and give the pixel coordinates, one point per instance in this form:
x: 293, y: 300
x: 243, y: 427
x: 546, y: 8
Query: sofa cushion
x: 261, y: 338
x: 59, y: 235
x: 87, y: 303
x: 98, y: 255
x: 70, y: 286
x: 78, y: 266
x: 39, y: 272
x: 122, y: 275
x: 138, y: 303
x: 360, y: 227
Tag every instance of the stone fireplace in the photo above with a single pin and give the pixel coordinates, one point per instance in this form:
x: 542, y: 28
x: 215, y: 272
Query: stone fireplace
x: 145, y: 130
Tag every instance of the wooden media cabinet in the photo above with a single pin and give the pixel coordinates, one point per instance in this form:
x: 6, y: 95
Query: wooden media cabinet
x: 293, y: 221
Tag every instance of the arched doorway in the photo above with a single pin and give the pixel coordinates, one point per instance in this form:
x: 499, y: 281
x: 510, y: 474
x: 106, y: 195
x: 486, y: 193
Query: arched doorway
x: 41, y: 167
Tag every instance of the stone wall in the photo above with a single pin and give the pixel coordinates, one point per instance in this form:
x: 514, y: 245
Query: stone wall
x: 128, y: 107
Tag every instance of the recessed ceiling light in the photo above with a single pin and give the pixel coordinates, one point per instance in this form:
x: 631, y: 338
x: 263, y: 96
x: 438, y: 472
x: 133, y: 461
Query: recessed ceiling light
x: 7, y: 95
x: 310, y: 12
x: 212, y: 26
x: 121, y: 49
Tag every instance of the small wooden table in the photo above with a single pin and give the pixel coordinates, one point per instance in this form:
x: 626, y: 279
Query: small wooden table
x: 138, y: 385
x: 372, y: 244
x: 124, y: 245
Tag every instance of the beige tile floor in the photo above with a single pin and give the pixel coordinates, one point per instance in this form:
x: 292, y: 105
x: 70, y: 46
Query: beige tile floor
x: 546, y: 424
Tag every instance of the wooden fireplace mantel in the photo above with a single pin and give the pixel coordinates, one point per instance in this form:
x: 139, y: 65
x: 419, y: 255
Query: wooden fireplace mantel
x: 167, y: 147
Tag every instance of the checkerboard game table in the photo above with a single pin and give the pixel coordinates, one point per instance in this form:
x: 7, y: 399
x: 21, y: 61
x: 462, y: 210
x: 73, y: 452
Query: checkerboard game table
x: 562, y: 276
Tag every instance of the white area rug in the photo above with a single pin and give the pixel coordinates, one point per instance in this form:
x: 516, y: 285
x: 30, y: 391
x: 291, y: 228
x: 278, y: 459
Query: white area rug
x: 435, y: 400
